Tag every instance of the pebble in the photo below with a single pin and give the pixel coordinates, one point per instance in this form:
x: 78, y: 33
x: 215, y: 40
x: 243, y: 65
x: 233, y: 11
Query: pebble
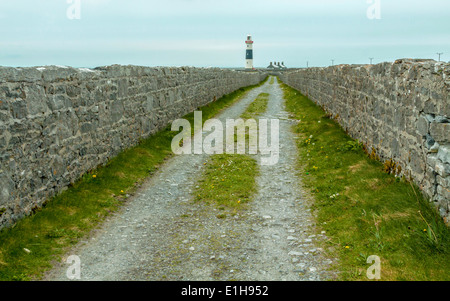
x: 295, y: 253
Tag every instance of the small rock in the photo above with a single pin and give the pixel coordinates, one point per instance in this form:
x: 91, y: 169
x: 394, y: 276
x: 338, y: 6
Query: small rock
x: 294, y: 253
x: 312, y: 269
x: 267, y: 217
x: 434, y: 148
x: 191, y: 248
x: 290, y: 238
x: 442, y: 119
x: 26, y: 250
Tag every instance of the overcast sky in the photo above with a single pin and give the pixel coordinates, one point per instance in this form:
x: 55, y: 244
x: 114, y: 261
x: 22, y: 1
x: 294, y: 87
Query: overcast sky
x: 206, y: 33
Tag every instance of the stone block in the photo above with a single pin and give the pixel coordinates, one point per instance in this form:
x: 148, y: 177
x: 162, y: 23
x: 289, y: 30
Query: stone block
x: 444, y: 153
x: 440, y: 132
x: 443, y: 169
x: 423, y: 126
x: 19, y: 109
x: 6, y: 188
x: 57, y: 102
x: 36, y: 100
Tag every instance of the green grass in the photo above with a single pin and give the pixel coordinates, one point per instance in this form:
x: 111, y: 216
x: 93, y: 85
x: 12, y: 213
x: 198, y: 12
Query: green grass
x: 257, y: 107
x: 69, y: 216
x: 229, y: 180
x: 272, y: 80
x: 364, y: 210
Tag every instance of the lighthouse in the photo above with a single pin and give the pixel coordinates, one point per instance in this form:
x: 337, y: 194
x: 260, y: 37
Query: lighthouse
x: 249, y: 53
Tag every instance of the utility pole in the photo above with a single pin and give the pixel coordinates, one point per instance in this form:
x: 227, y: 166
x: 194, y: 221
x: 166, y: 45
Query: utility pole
x: 307, y: 64
x: 371, y: 58
x: 439, y: 54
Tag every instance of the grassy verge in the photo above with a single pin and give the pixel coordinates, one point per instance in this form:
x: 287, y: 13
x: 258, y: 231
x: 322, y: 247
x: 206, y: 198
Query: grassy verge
x: 27, y: 249
x: 364, y: 210
x: 229, y: 180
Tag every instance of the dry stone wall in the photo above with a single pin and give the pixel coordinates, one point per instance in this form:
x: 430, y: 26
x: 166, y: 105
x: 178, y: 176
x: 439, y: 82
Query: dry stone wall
x: 401, y: 110
x: 56, y: 123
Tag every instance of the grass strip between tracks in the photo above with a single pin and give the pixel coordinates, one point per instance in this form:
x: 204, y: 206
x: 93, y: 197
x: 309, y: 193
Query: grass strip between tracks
x: 229, y: 180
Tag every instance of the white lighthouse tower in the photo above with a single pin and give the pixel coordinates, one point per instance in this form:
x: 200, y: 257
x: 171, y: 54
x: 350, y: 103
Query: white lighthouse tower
x: 249, y: 53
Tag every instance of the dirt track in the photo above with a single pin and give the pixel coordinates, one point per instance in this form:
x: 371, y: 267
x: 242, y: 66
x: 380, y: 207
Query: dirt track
x: 160, y: 234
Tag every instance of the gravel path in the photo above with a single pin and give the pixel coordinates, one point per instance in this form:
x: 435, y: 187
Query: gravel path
x: 160, y: 234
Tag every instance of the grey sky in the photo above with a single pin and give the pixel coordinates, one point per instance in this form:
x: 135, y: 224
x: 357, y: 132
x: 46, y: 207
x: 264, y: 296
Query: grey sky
x: 211, y: 33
